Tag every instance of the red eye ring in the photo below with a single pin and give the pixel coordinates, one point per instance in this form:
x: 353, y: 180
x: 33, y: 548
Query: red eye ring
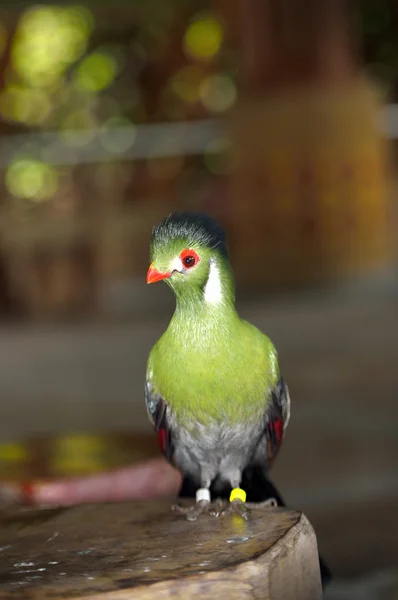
x: 189, y: 258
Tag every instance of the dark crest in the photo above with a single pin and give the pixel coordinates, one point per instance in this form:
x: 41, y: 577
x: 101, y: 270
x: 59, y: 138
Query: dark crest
x: 197, y: 228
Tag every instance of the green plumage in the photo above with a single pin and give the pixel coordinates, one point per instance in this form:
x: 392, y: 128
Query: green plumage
x: 213, y: 393
x: 209, y: 364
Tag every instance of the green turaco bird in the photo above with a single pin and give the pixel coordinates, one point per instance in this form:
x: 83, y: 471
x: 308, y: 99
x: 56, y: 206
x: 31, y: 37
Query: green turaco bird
x: 213, y: 390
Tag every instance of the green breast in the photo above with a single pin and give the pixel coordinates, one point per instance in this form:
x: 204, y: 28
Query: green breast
x: 222, y: 376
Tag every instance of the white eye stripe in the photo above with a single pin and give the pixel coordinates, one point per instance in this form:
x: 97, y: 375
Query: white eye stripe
x: 176, y: 265
x: 213, y: 290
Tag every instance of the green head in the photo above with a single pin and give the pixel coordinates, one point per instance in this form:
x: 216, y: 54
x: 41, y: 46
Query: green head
x: 188, y: 252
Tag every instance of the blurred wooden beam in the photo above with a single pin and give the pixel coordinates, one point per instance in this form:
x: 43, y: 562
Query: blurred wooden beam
x: 310, y: 189
x: 286, y: 43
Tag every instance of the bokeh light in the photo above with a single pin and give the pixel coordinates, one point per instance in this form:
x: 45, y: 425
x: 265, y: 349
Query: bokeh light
x: 218, y: 93
x: 78, y: 454
x: 186, y: 83
x: 31, y: 179
x: 203, y: 37
x: 47, y: 41
x: 117, y: 135
x: 25, y: 105
x: 96, y: 72
x: 79, y: 127
x: 13, y: 452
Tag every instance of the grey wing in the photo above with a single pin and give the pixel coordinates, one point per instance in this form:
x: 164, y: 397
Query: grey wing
x: 283, y: 400
x: 157, y: 412
x: 276, y: 418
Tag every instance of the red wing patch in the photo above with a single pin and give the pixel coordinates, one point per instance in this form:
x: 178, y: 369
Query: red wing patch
x: 165, y: 439
x: 277, y: 426
x: 162, y: 439
x: 274, y: 435
x: 277, y: 409
x: 157, y: 410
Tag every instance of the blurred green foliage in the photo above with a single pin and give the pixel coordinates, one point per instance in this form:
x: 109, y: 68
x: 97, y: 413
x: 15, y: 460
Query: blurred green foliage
x: 89, y: 69
x: 92, y: 67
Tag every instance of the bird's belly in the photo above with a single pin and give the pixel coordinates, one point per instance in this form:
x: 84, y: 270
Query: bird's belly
x: 215, y: 449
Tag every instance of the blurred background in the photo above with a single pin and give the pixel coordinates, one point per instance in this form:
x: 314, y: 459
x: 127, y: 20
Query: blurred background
x: 275, y: 116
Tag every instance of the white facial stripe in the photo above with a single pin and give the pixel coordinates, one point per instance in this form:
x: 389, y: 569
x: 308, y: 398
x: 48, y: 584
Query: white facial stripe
x: 213, y: 291
x: 176, y: 265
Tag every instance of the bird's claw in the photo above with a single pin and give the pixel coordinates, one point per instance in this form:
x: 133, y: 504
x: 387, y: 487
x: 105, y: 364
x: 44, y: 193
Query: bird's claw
x: 237, y: 507
x: 220, y: 508
x: 195, y: 510
x: 217, y: 507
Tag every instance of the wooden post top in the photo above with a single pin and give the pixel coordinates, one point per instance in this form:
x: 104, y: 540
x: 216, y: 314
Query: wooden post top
x: 142, y: 550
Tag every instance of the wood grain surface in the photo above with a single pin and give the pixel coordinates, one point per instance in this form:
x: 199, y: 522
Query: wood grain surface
x: 144, y: 550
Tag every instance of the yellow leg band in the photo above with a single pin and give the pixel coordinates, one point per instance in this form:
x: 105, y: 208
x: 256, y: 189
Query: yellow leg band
x: 237, y: 494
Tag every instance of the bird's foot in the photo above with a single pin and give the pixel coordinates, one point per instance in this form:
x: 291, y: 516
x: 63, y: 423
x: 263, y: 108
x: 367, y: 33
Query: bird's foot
x: 238, y: 507
x: 193, y: 511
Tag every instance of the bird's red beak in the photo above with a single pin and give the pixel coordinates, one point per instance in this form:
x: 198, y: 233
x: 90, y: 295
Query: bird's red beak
x: 154, y: 275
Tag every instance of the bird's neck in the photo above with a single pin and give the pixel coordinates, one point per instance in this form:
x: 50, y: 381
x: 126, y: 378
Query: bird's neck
x: 209, y: 308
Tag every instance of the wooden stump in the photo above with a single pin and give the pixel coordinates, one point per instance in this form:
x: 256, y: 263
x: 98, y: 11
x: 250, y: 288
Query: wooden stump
x: 143, y: 550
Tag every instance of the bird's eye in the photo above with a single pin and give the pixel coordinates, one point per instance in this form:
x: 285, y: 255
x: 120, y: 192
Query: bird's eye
x: 189, y: 261
x: 189, y: 258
